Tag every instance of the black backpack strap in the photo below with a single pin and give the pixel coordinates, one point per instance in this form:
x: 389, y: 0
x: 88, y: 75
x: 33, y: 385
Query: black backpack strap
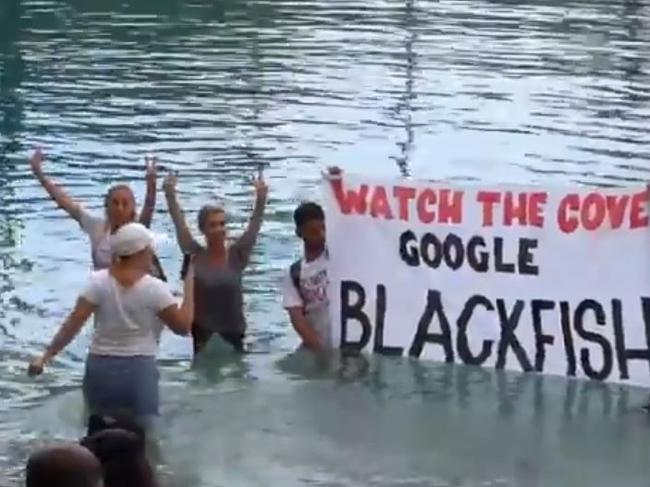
x: 158, y: 268
x: 294, y: 272
x: 187, y: 258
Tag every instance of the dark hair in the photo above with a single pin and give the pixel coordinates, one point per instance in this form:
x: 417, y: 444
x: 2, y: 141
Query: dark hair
x: 63, y: 466
x: 306, y: 212
x: 205, y: 212
x: 123, y: 459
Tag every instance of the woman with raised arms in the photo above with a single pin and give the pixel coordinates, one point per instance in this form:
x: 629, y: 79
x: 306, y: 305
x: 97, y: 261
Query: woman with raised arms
x: 219, y: 266
x: 119, y: 208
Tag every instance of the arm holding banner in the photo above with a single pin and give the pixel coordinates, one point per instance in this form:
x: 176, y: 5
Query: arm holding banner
x: 333, y: 172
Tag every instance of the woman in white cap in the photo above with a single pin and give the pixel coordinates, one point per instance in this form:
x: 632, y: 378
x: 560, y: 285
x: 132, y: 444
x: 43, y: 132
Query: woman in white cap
x: 130, y: 307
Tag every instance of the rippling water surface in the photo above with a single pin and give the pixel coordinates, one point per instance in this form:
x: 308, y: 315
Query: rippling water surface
x: 537, y: 92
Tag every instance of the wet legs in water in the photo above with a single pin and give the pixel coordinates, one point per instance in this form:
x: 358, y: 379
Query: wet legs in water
x: 201, y: 336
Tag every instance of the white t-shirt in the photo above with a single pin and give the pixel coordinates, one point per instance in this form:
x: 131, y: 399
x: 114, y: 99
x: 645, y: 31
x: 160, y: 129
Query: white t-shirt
x: 100, y: 244
x: 126, y: 319
x: 99, y: 235
x: 313, y: 287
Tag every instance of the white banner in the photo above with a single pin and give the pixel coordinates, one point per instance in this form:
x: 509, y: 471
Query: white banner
x: 552, y: 280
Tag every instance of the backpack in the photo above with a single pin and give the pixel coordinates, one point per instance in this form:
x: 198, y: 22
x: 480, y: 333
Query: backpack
x: 294, y: 272
x: 157, y: 269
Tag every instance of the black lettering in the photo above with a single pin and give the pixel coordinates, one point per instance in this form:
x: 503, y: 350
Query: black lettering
x: 565, y: 320
x: 409, y: 253
x: 499, y: 264
x: 354, y: 311
x: 590, y: 336
x: 477, y: 260
x: 434, y: 306
x: 526, y: 258
x: 509, y: 323
x: 623, y: 355
x: 379, y: 325
x: 541, y: 340
x: 619, y: 338
x: 430, y: 241
x: 456, y: 258
x: 464, y: 352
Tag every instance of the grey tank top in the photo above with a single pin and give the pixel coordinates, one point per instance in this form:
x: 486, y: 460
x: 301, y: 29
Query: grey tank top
x: 218, y: 296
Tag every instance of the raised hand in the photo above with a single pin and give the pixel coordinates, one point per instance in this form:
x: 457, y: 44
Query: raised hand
x: 36, y: 162
x: 169, y: 184
x: 261, y: 189
x: 151, y: 164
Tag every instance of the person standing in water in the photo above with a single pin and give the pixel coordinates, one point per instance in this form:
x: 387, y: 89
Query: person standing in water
x: 304, y: 286
x: 130, y: 307
x: 119, y: 206
x: 219, y: 267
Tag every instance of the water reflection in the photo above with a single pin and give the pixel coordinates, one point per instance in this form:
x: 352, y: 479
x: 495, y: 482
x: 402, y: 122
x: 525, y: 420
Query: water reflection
x: 405, y: 106
x: 382, y: 422
x: 470, y: 389
x: 12, y: 72
x: 354, y: 418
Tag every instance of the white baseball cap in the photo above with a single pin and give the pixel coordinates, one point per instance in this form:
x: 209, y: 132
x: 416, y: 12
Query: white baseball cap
x: 131, y: 239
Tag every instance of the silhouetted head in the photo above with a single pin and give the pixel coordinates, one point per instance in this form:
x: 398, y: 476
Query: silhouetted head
x: 212, y: 223
x: 132, y: 245
x: 309, y: 219
x: 122, y: 456
x: 63, y: 465
x: 119, y: 204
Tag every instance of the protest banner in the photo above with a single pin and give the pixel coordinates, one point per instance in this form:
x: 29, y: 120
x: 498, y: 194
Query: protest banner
x: 548, y: 280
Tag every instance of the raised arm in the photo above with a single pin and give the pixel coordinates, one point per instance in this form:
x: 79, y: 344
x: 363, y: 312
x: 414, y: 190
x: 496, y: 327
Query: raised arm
x: 185, y: 240
x: 150, y: 198
x: 61, y: 198
x: 249, y: 237
x: 69, y: 329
